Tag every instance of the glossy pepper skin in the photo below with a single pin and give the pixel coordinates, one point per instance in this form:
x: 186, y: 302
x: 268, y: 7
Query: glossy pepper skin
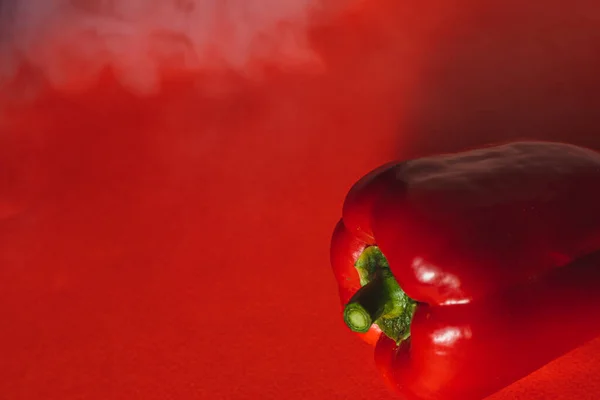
x: 461, y: 232
x: 471, y: 351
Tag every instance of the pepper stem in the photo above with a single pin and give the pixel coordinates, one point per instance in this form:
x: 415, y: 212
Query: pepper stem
x: 367, y: 305
x: 380, y: 300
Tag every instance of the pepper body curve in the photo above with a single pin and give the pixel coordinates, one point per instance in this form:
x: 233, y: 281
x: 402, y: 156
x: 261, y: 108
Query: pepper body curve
x: 460, y: 226
x: 486, y: 241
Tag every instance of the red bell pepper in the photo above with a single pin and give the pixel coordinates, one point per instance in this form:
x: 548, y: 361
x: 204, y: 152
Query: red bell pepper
x: 469, y: 270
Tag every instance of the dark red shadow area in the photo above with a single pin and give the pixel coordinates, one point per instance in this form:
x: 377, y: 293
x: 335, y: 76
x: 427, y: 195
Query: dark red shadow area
x: 508, y: 70
x: 177, y: 245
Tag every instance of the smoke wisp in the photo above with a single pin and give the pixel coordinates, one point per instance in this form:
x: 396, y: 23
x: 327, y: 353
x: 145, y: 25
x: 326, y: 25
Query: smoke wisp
x: 68, y: 43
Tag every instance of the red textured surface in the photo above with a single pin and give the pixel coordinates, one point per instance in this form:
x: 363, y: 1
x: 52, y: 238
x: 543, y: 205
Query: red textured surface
x: 177, y: 247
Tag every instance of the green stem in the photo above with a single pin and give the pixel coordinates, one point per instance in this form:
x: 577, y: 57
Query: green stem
x: 380, y: 300
x: 367, y: 305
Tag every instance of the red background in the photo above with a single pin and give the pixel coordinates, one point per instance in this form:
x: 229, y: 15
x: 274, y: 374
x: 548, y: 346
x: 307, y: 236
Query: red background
x: 176, y: 246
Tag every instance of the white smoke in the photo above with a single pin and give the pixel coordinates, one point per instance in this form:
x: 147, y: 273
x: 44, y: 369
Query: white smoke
x: 68, y: 43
